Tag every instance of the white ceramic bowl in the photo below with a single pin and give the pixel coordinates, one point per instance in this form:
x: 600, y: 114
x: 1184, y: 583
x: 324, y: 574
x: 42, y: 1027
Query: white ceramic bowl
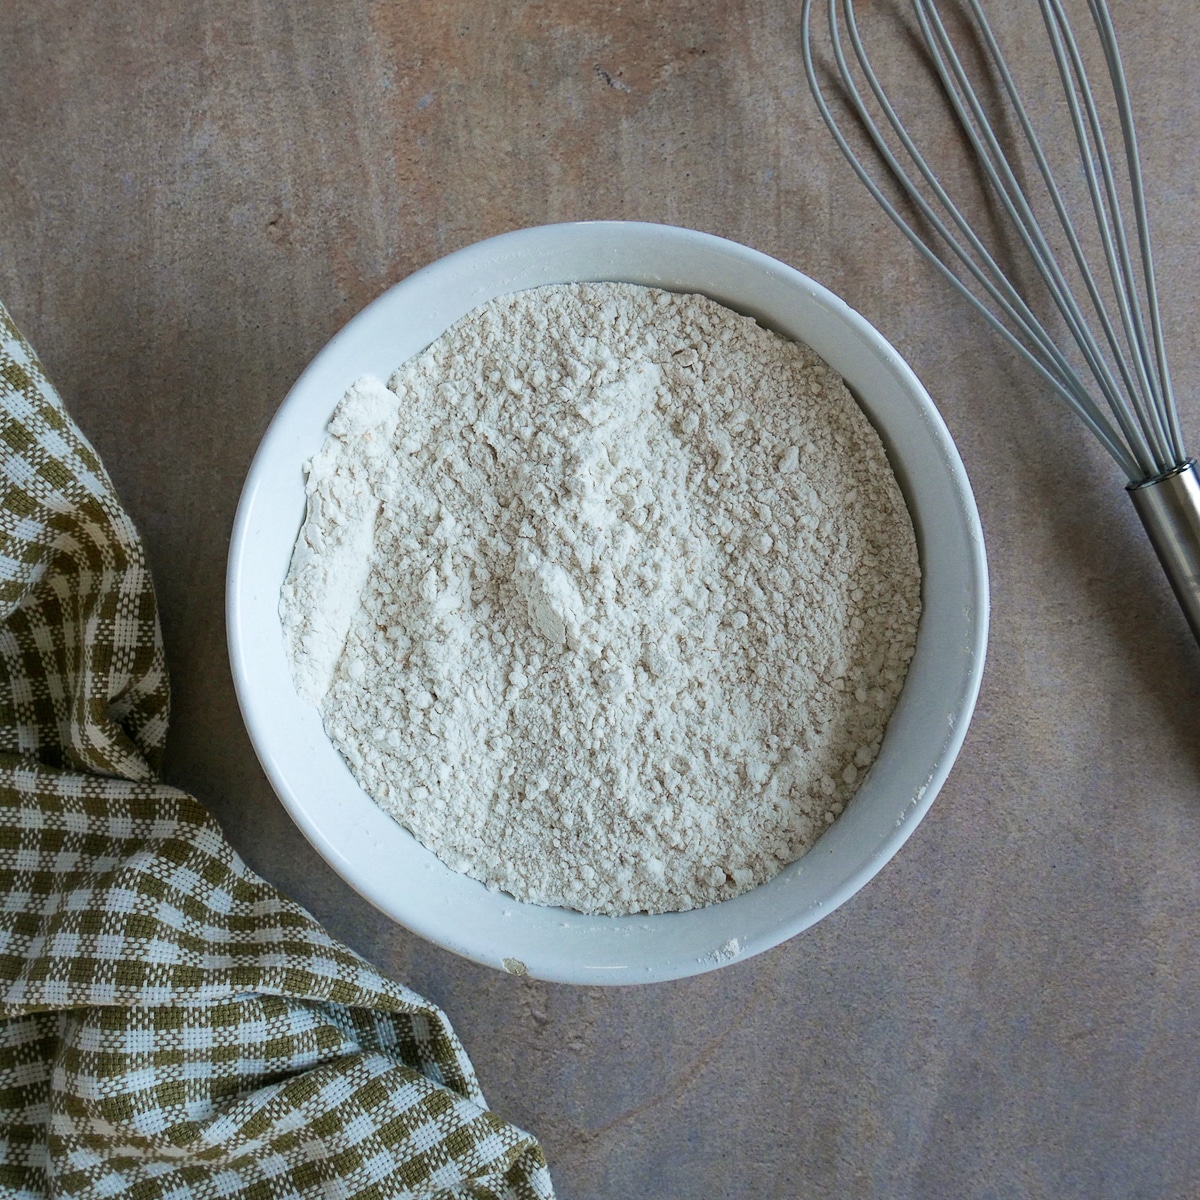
x: 380, y: 858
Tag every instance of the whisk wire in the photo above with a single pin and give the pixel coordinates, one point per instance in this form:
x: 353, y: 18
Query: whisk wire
x: 1029, y: 322
x: 1096, y: 359
x: 1001, y: 175
x: 990, y: 276
x: 1107, y: 211
x: 1130, y: 406
x: 1120, y: 86
x: 1054, y: 368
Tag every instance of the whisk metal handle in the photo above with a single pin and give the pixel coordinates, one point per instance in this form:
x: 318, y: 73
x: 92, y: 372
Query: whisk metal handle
x: 1169, y: 506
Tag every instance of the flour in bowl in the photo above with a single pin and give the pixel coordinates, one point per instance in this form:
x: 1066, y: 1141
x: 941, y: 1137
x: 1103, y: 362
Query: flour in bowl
x: 607, y: 597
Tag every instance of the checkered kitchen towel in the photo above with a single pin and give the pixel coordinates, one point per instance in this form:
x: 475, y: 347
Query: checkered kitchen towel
x: 170, y: 1024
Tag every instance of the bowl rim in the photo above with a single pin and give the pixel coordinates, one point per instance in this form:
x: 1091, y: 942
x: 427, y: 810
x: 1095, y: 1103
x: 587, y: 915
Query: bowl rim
x: 253, y: 693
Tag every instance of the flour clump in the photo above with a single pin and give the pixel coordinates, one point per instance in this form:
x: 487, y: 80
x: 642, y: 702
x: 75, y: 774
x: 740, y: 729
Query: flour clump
x: 607, y: 596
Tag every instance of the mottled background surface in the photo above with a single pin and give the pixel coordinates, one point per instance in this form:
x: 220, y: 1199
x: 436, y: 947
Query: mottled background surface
x: 195, y: 196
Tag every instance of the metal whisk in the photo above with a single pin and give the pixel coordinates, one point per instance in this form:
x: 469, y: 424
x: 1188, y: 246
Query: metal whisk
x: 1113, y: 318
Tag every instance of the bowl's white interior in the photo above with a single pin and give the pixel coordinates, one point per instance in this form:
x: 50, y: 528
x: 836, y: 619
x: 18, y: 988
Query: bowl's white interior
x: 380, y: 858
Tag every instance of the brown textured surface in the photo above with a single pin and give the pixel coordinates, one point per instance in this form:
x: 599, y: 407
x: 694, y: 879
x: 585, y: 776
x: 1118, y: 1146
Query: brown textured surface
x: 195, y: 196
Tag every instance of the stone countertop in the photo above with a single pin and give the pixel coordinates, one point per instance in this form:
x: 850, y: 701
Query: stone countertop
x: 196, y: 196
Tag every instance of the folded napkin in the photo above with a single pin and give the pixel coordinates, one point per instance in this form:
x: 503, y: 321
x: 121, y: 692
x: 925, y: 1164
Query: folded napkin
x: 170, y: 1024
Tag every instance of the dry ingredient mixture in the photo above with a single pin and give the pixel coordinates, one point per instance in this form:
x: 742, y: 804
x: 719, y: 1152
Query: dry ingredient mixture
x: 607, y: 597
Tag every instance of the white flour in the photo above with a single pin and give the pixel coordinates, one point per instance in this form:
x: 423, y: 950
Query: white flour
x: 608, y: 599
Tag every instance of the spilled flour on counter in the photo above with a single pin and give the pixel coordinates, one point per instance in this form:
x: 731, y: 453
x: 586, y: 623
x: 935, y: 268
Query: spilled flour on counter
x: 607, y: 597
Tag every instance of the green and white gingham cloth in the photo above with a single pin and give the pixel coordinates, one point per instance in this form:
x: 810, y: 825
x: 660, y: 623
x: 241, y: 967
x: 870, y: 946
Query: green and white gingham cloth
x: 171, y: 1025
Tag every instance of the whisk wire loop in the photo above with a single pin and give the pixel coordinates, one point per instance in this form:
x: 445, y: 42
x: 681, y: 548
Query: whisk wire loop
x: 1044, y: 257
x: 1132, y: 412
x: 1005, y: 292
x: 1106, y: 207
x: 1001, y: 175
x: 989, y: 276
x: 1120, y: 86
x: 1042, y: 353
